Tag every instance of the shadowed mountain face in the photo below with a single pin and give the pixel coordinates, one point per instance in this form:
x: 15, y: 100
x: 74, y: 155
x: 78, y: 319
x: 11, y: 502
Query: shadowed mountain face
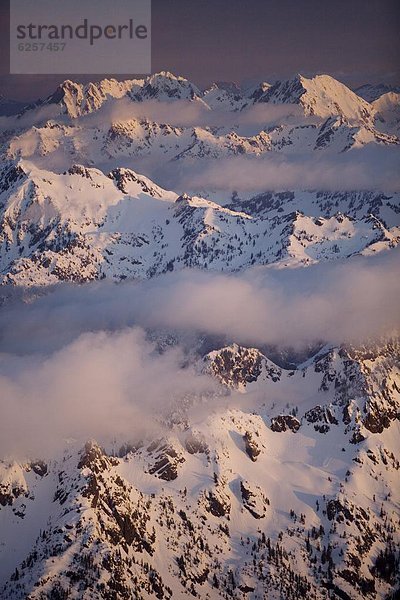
x: 200, y: 385
x: 10, y: 107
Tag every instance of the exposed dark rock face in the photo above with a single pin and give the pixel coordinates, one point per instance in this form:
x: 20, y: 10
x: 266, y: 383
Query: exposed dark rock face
x: 166, y: 460
x: 364, y: 385
x: 322, y: 417
x: 39, y: 467
x: 286, y: 91
x: 94, y: 458
x: 218, y: 503
x: 123, y: 176
x: 7, y: 497
x: 254, y: 499
x: 13, y: 485
x: 285, y: 422
x: 252, y: 448
x: 335, y: 508
x: 376, y: 421
x: 237, y: 367
x: 11, y: 175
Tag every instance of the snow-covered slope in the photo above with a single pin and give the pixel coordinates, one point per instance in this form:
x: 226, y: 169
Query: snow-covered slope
x: 9, y: 107
x: 387, y: 109
x: 295, y: 498
x: 335, y: 134
x: 225, y: 97
x: 129, y: 140
x: 83, y: 225
x: 322, y: 96
x: 55, y: 145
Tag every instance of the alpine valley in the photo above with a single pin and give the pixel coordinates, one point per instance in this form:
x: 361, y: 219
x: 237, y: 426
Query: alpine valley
x: 251, y: 461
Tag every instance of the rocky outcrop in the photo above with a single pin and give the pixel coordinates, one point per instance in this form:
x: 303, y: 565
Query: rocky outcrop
x: 254, y: 500
x: 285, y: 422
x: 165, y: 460
x: 218, y: 502
x: 321, y: 417
x: 236, y: 366
x: 252, y: 448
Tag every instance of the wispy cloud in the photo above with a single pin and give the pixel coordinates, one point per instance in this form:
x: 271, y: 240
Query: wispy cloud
x: 360, y: 169
x: 102, y: 385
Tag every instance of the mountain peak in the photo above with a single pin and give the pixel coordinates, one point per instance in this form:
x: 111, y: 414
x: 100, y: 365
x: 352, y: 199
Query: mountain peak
x: 77, y: 99
x: 165, y: 86
x: 166, y: 75
x: 322, y: 96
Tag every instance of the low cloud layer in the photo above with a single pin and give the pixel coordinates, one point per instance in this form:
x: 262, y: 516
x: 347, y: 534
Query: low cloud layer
x: 35, y: 117
x: 185, y: 113
x: 359, y: 169
x: 75, y: 361
x: 349, y: 301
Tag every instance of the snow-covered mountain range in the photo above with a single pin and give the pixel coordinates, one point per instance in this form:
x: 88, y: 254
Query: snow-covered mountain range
x: 341, y: 120
x: 322, y: 95
x: 84, y: 225
x: 279, y: 482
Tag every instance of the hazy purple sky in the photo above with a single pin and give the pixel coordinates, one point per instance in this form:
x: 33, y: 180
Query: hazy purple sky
x: 356, y: 41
